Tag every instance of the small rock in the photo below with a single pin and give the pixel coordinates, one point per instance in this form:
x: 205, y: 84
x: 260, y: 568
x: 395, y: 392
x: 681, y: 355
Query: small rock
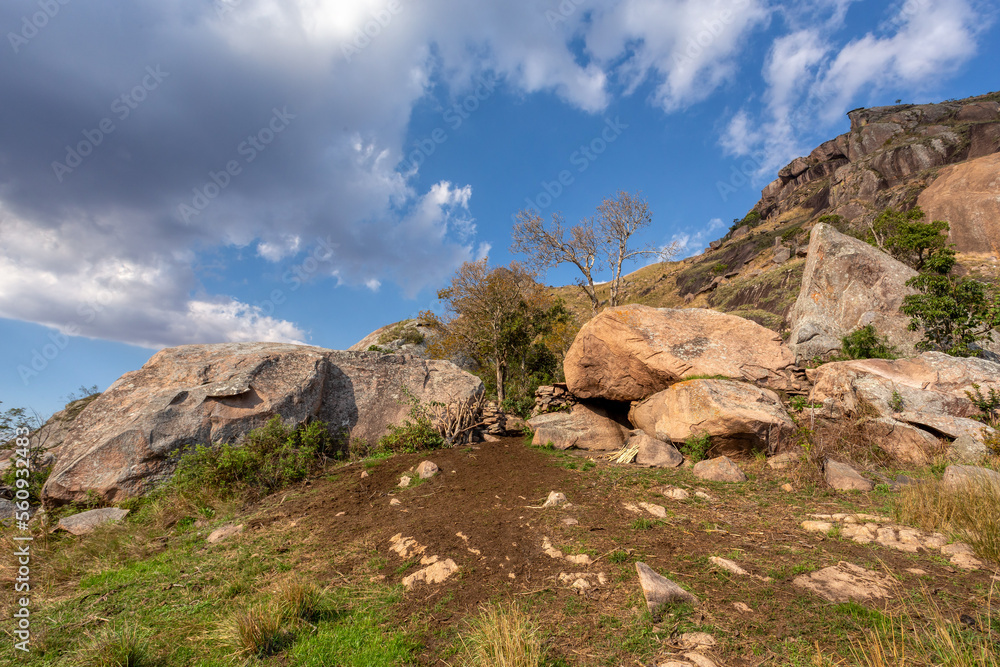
x: 675, y: 493
x: 844, y: 582
x: 700, y: 660
x: 843, y: 477
x: 656, y: 510
x: 224, y: 533
x: 404, y: 481
x: 784, y: 461
x: 87, y: 522
x: 427, y: 469
x: 817, y: 526
x: 916, y: 570
x: 720, y: 469
x: 364, y: 473
x: 660, y: 591
x: 394, y: 502
x: 703, y: 496
x: 655, y: 453
x: 570, y: 521
x: 787, y: 488
x: 555, y: 499
x: 696, y: 640
x: 435, y: 573
x: 742, y: 607
x: 728, y: 565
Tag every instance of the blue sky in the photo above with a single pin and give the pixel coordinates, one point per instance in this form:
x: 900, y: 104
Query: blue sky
x: 226, y: 170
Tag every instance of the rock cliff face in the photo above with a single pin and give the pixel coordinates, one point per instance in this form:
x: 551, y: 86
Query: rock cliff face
x: 125, y: 440
x: 887, y: 158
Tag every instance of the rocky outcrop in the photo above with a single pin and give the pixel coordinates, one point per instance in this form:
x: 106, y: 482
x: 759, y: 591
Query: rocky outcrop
x: 583, y: 427
x: 127, y: 439
x: 967, y: 195
x: 843, y: 477
x: 410, y: 336
x: 887, y: 152
x: 848, y: 284
x: 654, y: 453
x: 631, y: 352
x: 738, y: 417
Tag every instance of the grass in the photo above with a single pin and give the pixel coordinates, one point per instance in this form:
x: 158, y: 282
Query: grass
x: 968, y: 512
x: 503, y: 635
x: 257, y: 631
x: 116, y: 645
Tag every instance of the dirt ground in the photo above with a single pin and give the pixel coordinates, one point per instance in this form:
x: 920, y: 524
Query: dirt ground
x: 483, y: 511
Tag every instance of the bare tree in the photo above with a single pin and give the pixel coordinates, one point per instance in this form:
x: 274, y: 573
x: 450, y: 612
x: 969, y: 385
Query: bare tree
x: 618, y: 218
x: 577, y: 245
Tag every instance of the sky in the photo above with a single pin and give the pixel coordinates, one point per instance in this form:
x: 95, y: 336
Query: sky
x: 206, y: 171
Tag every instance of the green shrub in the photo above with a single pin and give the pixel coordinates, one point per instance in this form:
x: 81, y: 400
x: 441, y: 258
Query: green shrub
x: 415, y: 433
x: 720, y: 268
x: 696, y: 446
x: 988, y: 404
x: 865, y: 343
x: 268, y: 459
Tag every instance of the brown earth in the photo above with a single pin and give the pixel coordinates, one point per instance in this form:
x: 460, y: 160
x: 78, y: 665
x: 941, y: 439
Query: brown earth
x: 491, y: 493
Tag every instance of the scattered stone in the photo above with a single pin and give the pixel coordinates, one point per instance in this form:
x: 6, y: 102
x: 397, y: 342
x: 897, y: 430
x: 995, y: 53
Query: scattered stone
x: 720, y: 469
x: 340, y: 513
x: 844, y: 582
x: 364, y: 473
x: 224, y: 533
x: 782, y: 255
x: 695, y: 640
x: 435, y: 573
x: 700, y: 660
x: 555, y: 499
x: 427, y: 469
x: 959, y: 477
x: 404, y: 481
x: 552, y: 552
x: 582, y: 581
x: 787, y: 487
x: 633, y: 508
x: 966, y: 449
x: 394, y: 502
x: 961, y: 555
x: 785, y: 460
x: 742, y: 607
x: 405, y: 547
x: 817, y: 526
x: 728, y: 566
x: 704, y: 496
x: 658, y: 511
x: 570, y: 521
x: 916, y: 570
x: 674, y: 663
x: 660, y: 591
x: 85, y: 523
x: 843, y: 477
x: 675, y: 493
x: 654, y: 453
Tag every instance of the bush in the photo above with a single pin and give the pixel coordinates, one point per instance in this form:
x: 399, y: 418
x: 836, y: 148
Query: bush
x: 696, y: 447
x: 955, y: 313
x: 865, y: 343
x: 412, y: 436
x: 268, y: 459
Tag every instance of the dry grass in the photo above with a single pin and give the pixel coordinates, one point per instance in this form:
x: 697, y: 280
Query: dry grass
x: 115, y: 645
x: 970, y: 512
x: 502, y: 635
x: 258, y: 630
x: 928, y: 637
x: 299, y: 600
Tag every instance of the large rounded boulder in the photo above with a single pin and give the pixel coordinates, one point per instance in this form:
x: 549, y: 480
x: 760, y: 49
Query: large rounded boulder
x: 628, y: 353
x: 127, y: 439
x: 738, y: 417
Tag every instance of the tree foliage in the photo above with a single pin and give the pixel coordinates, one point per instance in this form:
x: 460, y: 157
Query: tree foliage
x: 497, y: 316
x: 905, y: 236
x: 865, y: 343
x: 604, y: 241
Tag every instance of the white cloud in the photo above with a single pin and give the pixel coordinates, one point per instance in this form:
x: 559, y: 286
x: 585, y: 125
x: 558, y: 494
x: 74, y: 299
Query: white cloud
x: 809, y: 79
